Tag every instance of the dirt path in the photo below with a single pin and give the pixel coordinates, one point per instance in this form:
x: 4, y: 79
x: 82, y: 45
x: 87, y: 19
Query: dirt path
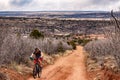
x: 71, y: 67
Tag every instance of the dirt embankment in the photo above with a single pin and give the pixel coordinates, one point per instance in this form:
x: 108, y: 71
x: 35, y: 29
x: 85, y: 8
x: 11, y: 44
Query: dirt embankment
x: 10, y: 74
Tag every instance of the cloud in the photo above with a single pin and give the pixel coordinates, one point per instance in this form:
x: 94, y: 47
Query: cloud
x: 105, y: 4
x: 102, y: 2
x: 4, y: 4
x: 70, y: 5
x: 20, y: 2
x: 56, y: 4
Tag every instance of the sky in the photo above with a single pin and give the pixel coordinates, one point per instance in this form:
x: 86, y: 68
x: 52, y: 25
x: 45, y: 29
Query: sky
x: 59, y: 5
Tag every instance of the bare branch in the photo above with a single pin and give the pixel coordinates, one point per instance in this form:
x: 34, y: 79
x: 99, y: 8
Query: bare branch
x: 116, y: 21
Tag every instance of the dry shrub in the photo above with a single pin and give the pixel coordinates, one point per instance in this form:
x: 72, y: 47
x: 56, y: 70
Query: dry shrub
x: 3, y: 76
x: 17, y: 49
x: 109, y: 46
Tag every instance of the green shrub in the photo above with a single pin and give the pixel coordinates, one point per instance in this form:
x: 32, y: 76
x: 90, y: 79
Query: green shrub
x: 72, y: 43
x: 36, y: 34
x: 83, y: 41
x: 60, y: 47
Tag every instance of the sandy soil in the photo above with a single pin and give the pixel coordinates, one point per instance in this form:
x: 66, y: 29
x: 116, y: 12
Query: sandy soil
x: 71, y: 67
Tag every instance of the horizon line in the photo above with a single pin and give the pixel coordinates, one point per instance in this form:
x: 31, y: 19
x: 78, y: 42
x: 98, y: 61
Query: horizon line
x: 55, y: 11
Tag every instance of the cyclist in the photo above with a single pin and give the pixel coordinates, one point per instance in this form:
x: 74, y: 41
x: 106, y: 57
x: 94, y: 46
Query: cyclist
x: 37, y: 56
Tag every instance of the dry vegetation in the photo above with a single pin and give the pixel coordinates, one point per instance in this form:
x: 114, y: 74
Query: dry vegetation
x: 105, y: 54
x: 3, y: 76
x: 54, y: 26
x: 16, y: 48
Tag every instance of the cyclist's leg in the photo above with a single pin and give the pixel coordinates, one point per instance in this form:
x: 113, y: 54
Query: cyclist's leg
x: 40, y: 67
x: 40, y: 61
x: 35, y: 61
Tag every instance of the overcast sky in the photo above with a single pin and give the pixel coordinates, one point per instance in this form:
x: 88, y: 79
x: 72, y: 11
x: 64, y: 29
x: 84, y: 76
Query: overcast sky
x: 59, y: 5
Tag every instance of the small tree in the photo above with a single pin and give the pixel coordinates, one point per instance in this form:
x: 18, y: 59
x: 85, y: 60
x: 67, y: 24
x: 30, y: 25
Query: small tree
x: 72, y: 43
x: 83, y: 41
x: 36, y: 34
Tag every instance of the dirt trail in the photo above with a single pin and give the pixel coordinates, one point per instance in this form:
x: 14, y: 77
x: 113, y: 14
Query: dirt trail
x: 71, y: 67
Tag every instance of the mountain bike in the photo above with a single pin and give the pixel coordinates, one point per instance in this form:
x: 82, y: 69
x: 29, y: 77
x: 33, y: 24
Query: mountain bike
x: 37, y: 70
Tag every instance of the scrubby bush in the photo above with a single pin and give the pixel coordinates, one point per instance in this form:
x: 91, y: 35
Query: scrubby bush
x: 18, y: 49
x: 3, y: 33
x: 15, y: 49
x: 60, y: 47
x: 83, y: 41
x: 72, y: 43
x: 3, y: 76
x: 108, y: 46
x: 53, y: 46
x: 98, y: 48
x: 36, y: 34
